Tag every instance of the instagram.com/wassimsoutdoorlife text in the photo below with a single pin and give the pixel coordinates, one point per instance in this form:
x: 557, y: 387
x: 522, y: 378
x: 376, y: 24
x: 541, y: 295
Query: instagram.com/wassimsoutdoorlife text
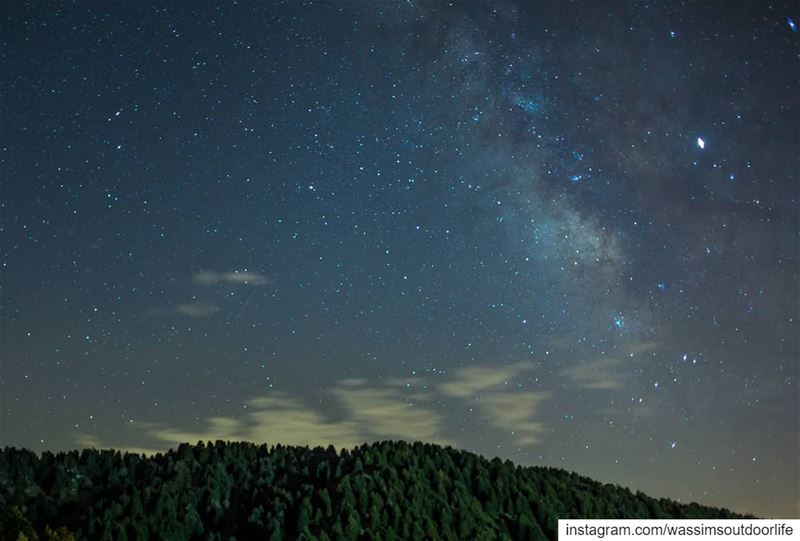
x: 697, y: 530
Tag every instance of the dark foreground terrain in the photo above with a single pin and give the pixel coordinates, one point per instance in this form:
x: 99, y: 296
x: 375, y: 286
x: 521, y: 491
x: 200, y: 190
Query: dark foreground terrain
x: 388, y: 490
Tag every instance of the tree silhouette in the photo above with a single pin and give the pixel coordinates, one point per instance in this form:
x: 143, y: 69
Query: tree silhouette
x: 222, y: 491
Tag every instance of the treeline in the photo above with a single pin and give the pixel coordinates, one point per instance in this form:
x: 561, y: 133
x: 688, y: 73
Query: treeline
x: 224, y: 491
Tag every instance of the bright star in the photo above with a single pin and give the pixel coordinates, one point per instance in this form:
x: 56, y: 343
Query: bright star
x: 791, y: 24
x: 701, y: 143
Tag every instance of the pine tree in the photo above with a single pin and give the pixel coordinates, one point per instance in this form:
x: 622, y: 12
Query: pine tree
x: 304, y: 516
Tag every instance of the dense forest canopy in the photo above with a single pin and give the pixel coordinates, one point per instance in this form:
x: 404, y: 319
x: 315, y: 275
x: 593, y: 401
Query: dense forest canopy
x: 224, y: 490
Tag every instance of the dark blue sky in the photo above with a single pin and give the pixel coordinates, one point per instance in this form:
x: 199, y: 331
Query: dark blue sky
x: 560, y: 233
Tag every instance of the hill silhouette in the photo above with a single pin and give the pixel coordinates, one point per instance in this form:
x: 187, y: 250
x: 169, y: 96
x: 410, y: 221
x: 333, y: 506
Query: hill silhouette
x: 242, y: 491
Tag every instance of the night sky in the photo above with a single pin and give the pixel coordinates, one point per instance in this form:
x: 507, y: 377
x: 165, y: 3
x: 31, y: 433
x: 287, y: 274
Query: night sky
x: 565, y: 234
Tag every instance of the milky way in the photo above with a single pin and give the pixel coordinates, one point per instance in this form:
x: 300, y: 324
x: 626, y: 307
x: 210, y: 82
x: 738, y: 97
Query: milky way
x: 562, y: 234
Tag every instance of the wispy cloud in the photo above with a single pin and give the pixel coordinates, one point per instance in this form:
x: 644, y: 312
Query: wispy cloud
x: 193, y: 308
x: 369, y: 413
x: 601, y: 374
x: 196, y: 309
x: 414, y: 407
x: 471, y: 379
x: 359, y: 410
x: 642, y: 347
x: 608, y: 373
x: 385, y: 413
x: 277, y: 418
x: 504, y: 406
x: 515, y: 413
x: 246, y: 278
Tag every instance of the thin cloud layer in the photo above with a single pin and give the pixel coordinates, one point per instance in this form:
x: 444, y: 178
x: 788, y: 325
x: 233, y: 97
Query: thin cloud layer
x: 515, y: 413
x: 277, y: 418
x: 370, y: 413
x: 506, y: 409
x: 471, y: 379
x: 396, y: 408
x: 197, y: 309
x: 246, y: 278
x: 608, y: 373
x: 408, y: 408
x: 602, y: 374
x: 385, y: 414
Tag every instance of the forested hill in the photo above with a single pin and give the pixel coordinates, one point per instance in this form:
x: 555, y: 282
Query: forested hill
x: 383, y: 491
